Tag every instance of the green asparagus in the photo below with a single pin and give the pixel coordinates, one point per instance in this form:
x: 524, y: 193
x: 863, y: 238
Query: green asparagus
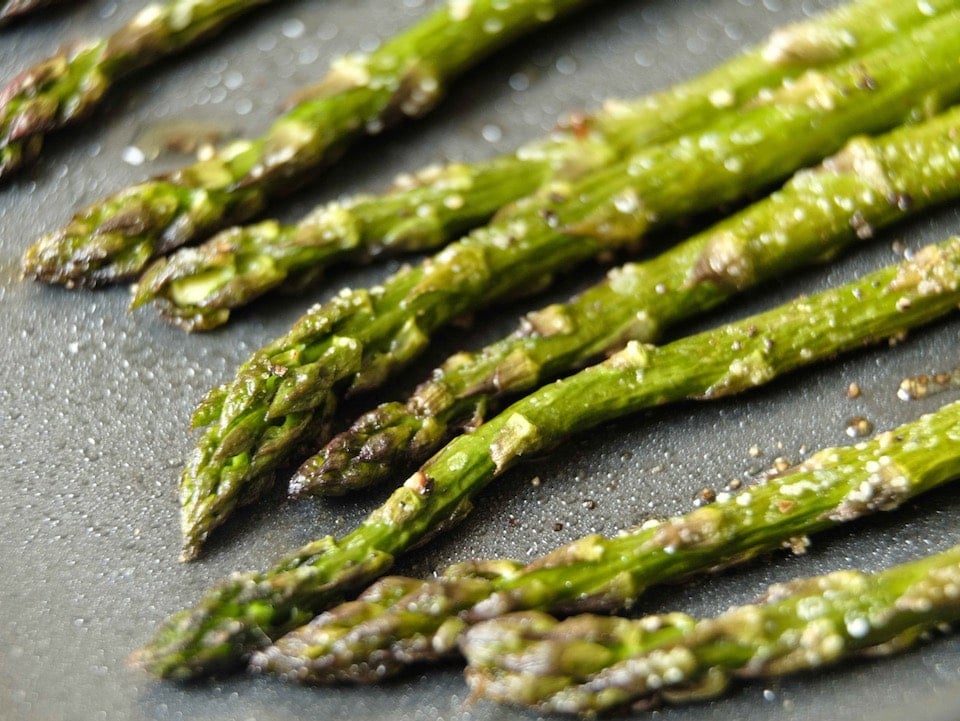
x: 248, y: 610
x: 67, y: 87
x: 591, y: 664
x: 196, y: 288
x: 836, y: 485
x: 114, y: 239
x: 869, y: 184
x: 14, y: 9
x: 287, y: 392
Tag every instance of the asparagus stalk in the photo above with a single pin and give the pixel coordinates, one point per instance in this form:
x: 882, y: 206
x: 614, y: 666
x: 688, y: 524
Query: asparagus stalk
x: 591, y: 664
x: 113, y: 239
x: 248, y: 610
x: 67, y: 87
x: 835, y: 486
x: 287, y: 392
x: 196, y: 288
x: 868, y: 185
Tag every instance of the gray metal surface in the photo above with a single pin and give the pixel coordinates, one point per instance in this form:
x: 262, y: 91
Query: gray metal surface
x: 94, y: 401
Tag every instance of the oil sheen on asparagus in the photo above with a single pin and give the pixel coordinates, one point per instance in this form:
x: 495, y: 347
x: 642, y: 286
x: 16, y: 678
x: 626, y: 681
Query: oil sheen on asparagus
x: 402, y: 621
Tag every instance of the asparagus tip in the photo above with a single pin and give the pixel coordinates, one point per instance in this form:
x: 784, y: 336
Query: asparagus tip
x: 57, y: 259
x: 140, y: 294
x: 193, y: 530
x: 299, y: 484
x: 39, y: 261
x: 189, y: 552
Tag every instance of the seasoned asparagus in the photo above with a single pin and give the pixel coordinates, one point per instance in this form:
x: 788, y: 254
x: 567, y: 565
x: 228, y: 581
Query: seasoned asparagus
x: 197, y: 287
x: 114, y: 238
x: 591, y: 664
x: 67, y: 87
x: 287, y: 392
x: 869, y: 184
x: 248, y: 610
x: 834, y: 486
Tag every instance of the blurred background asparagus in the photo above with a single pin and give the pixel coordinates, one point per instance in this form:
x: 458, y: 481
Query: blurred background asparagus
x: 113, y: 239
x: 67, y: 87
x: 13, y: 10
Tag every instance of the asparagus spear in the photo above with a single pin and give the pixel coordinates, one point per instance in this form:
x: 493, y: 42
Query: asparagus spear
x: 590, y: 664
x: 197, y: 287
x: 114, y: 239
x: 67, y: 87
x: 287, y: 392
x: 248, y: 610
x: 835, y: 486
x: 869, y: 184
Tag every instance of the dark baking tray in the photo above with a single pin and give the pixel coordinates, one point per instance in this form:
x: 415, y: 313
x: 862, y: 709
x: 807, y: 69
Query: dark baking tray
x: 94, y: 401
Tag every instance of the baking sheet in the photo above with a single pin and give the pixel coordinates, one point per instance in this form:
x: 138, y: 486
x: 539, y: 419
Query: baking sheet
x: 94, y: 401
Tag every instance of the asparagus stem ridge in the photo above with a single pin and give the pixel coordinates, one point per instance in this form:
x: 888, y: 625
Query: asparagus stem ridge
x: 590, y: 664
x: 67, y: 87
x: 114, y: 239
x: 197, y: 287
x: 911, y: 169
x: 287, y: 392
x: 248, y: 610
